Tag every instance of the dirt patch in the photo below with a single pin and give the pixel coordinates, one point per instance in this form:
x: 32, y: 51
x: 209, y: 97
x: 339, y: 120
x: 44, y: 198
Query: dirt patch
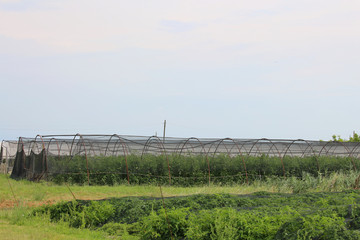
x: 8, y: 204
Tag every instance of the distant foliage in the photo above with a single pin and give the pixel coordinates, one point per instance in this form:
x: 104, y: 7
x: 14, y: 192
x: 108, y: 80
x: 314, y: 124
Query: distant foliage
x: 354, y: 138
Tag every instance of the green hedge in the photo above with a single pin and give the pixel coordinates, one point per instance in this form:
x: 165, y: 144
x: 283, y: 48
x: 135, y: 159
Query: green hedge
x: 190, y: 170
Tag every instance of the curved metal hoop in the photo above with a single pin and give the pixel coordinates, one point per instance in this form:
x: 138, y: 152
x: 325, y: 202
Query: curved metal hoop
x: 203, y: 149
x: 86, y: 158
x: 303, y: 153
x: 125, y: 150
x: 273, y: 145
x: 161, y: 146
x: 228, y: 153
x: 57, y: 144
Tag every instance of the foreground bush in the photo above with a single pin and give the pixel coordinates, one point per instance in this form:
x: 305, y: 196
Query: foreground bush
x: 222, y: 216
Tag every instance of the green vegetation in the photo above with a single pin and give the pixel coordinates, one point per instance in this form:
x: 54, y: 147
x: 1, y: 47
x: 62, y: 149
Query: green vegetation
x: 314, y: 200
x: 191, y: 170
x: 354, y: 138
x: 308, y: 214
x: 260, y: 215
x: 19, y: 224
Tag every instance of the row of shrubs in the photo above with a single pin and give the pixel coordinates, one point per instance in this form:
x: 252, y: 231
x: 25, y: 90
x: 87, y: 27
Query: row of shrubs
x: 222, y: 216
x: 189, y: 170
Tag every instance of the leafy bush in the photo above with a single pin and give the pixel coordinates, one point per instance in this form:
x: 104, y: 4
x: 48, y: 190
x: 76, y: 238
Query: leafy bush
x: 191, y: 170
x: 260, y: 215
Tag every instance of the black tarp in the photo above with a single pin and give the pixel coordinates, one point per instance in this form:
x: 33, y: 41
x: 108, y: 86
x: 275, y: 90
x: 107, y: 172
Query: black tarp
x: 31, y: 167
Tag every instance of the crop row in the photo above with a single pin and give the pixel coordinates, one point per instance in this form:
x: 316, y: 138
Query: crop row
x: 189, y: 170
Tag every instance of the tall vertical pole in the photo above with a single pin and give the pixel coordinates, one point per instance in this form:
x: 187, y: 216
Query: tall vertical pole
x: 164, y: 130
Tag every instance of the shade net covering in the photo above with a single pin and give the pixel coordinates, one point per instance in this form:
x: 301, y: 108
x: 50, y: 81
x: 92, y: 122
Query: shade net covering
x: 39, y: 157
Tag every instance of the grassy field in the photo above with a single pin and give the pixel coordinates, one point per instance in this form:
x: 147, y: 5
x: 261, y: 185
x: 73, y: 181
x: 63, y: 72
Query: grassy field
x: 19, y: 198
x: 30, y: 193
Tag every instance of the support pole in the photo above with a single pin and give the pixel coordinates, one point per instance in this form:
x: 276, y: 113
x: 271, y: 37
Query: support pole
x: 164, y: 131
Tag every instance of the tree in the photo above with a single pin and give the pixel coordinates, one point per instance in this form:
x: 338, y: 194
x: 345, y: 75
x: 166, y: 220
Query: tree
x: 354, y: 138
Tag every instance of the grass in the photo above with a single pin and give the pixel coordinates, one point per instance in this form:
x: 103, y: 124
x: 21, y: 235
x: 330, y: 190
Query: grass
x: 14, y: 224
x: 38, y: 193
x: 17, y: 198
x: 45, y: 230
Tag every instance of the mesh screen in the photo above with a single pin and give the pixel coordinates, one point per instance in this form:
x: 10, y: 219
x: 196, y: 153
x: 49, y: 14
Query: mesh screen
x: 32, y: 154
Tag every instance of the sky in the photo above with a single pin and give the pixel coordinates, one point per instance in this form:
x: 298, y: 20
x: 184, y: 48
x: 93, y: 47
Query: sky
x: 230, y: 68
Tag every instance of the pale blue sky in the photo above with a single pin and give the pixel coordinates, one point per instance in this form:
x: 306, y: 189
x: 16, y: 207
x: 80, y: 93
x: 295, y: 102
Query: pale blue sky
x: 274, y: 69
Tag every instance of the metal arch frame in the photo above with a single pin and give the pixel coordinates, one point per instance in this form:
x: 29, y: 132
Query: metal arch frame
x: 254, y: 145
x: 342, y: 144
x: 180, y: 143
x: 161, y: 145
x: 349, y: 153
x: 314, y: 152
x: 284, y: 149
x: 57, y: 144
x: 242, y: 146
x: 335, y: 147
x: 303, y: 153
x: 86, y: 158
x: 125, y: 150
x: 347, y: 149
x: 188, y: 140
x: 237, y: 146
x: 32, y: 143
x: 148, y: 144
x: 67, y: 144
x: 273, y: 145
x: 265, y: 139
x: 91, y: 145
x: 116, y: 143
x: 213, y: 143
x: 353, y: 150
x: 84, y: 141
x: 217, y: 146
x: 203, y: 148
x: 119, y: 139
x: 268, y: 140
x: 324, y: 147
x: 287, y: 148
x: 300, y: 140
